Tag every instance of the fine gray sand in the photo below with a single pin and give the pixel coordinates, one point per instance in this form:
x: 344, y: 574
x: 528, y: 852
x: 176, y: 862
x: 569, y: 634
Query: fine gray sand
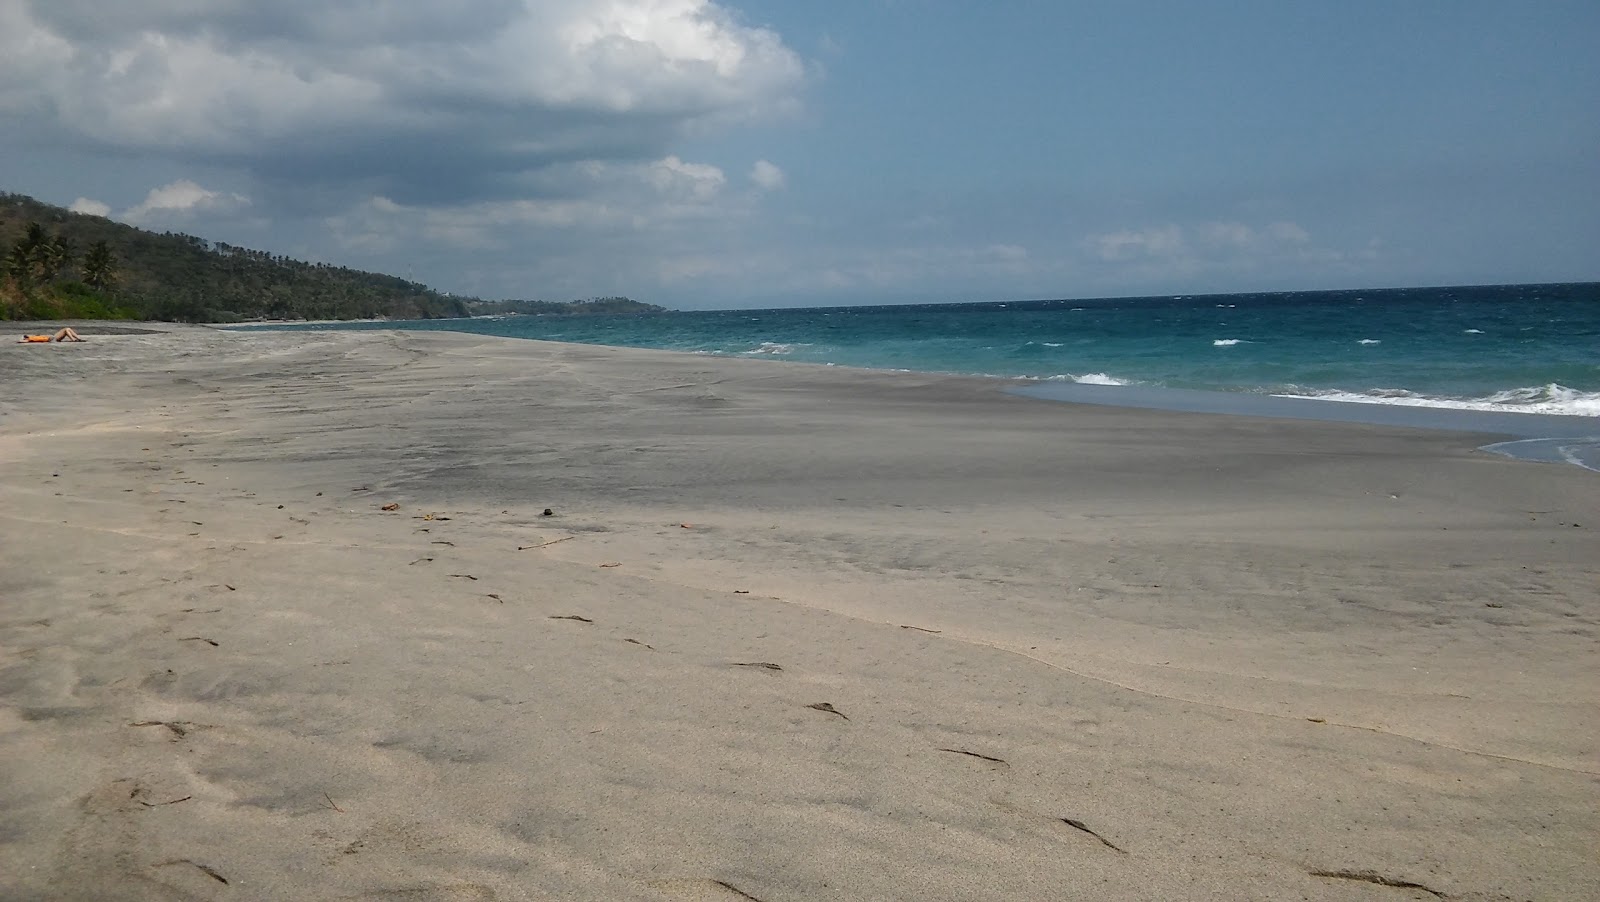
x: 791, y: 633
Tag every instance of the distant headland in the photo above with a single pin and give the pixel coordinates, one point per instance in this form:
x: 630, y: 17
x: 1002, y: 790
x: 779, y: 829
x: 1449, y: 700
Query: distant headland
x: 58, y: 264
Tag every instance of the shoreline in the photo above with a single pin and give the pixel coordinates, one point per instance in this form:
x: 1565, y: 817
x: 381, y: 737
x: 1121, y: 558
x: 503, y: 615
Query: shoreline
x: 1089, y: 389
x: 803, y: 632
x: 1525, y: 436
x: 1532, y: 437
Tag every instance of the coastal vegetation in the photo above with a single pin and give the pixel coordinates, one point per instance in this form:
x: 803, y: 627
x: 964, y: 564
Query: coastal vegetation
x: 58, y: 264
x: 592, y: 306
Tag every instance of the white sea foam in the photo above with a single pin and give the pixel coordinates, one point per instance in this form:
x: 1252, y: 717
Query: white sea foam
x: 1226, y: 342
x: 1051, y: 344
x: 1552, y: 398
x: 1581, y: 452
x: 774, y: 348
x: 1474, y: 331
x: 1370, y: 341
x: 1099, y: 379
x: 1085, y: 379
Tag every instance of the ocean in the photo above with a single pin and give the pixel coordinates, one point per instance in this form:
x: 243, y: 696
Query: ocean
x: 1526, y: 348
x: 1518, y: 360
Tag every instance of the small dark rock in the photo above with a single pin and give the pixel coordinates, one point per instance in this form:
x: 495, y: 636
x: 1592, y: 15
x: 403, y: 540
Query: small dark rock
x: 548, y: 513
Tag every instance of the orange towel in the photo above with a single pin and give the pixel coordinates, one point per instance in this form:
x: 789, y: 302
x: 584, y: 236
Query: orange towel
x: 29, y: 338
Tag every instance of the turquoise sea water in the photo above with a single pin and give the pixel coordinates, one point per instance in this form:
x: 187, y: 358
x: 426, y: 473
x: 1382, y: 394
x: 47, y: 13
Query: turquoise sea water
x: 1529, y: 348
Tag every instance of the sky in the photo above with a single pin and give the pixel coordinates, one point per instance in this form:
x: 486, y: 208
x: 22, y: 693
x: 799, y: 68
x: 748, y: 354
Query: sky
x: 754, y: 153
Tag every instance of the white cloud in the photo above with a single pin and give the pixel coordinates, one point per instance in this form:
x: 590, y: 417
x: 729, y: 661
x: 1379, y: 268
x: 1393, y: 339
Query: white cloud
x: 1197, y: 243
x: 91, y: 207
x: 411, y: 97
x: 1171, y: 252
x: 1237, y: 236
x: 644, y: 200
x: 1128, y: 244
x: 767, y: 176
x: 182, y: 199
x: 696, y: 182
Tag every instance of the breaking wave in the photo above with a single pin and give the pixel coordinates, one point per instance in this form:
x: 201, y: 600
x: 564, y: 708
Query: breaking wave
x: 1547, y: 399
x: 1095, y: 379
x: 772, y: 348
x: 1084, y: 379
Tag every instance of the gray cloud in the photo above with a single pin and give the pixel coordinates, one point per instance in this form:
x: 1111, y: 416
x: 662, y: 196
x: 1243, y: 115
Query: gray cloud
x: 426, y: 101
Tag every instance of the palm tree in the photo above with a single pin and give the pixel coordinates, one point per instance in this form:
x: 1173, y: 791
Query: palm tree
x: 19, y: 264
x: 51, y: 257
x: 22, y: 263
x: 100, y: 267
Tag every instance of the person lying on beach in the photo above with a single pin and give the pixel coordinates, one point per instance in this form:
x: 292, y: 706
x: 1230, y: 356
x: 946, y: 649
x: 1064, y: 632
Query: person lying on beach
x: 67, y: 334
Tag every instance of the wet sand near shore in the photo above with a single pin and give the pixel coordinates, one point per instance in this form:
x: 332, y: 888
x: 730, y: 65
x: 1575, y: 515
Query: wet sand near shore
x: 285, y: 618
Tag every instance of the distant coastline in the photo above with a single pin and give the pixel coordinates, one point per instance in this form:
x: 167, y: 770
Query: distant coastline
x: 59, y: 265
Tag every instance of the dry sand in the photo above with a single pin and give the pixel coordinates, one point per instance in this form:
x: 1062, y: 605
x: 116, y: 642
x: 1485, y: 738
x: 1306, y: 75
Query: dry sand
x: 843, y: 635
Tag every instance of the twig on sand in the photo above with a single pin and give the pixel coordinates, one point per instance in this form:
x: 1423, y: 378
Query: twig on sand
x: 920, y: 629
x: 762, y: 664
x: 976, y: 755
x: 546, y: 544
x: 206, y: 869
x: 464, y: 576
x: 1080, y: 825
x: 735, y: 890
x: 211, y: 642
x: 179, y: 728
x: 332, y: 804
x: 570, y: 617
x: 1378, y: 880
x: 830, y: 709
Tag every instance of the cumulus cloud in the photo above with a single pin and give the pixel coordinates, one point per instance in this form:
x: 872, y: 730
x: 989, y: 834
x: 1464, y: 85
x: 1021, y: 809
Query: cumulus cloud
x: 645, y: 200
x: 91, y: 207
x: 433, y: 101
x: 183, y: 199
x: 767, y: 176
x: 694, y: 182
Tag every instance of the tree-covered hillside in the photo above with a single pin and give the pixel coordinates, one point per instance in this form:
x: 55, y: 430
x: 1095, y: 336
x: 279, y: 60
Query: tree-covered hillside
x: 592, y: 306
x: 56, y: 264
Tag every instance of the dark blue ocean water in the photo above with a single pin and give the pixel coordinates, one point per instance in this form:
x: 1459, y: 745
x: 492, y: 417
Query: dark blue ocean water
x: 1532, y: 348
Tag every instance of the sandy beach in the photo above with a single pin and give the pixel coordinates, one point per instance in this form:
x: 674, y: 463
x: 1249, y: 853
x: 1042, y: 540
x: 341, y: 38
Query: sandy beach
x: 284, y: 617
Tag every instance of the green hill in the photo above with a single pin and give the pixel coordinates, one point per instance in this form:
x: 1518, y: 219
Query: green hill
x: 56, y: 264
